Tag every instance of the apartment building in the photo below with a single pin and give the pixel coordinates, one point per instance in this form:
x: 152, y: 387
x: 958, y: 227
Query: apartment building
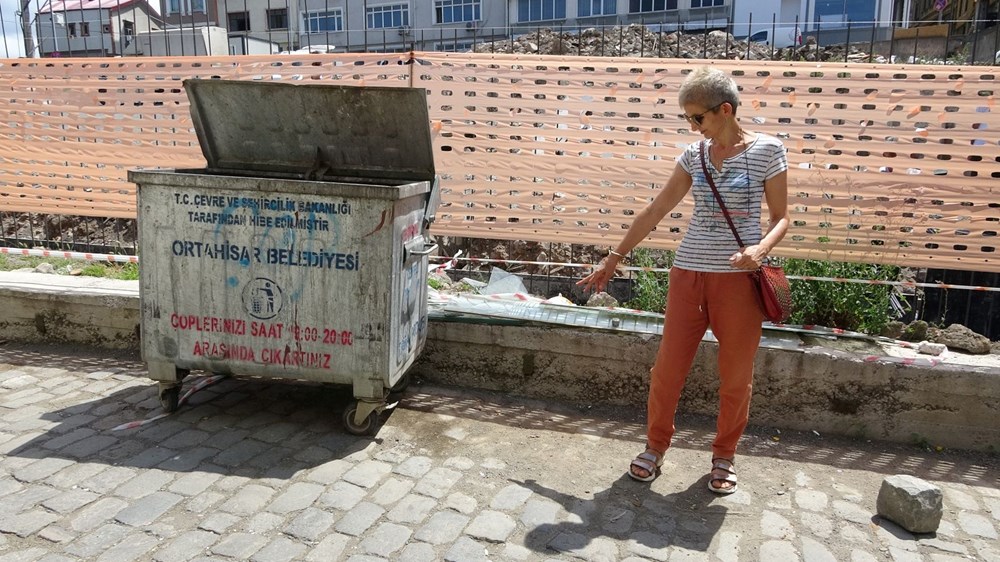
x: 91, y: 28
x: 398, y: 25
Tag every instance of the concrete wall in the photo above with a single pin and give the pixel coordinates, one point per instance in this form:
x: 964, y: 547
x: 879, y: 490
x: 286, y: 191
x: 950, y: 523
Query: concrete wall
x: 804, y: 387
x: 813, y: 388
x: 85, y: 312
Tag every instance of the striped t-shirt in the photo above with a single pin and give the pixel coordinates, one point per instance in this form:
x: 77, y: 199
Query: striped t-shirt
x: 709, y: 242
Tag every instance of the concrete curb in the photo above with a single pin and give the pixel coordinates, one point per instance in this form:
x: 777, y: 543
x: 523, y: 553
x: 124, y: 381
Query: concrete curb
x: 41, y: 308
x: 809, y: 387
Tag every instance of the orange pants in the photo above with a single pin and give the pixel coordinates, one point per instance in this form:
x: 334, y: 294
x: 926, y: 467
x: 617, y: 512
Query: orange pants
x: 695, y: 301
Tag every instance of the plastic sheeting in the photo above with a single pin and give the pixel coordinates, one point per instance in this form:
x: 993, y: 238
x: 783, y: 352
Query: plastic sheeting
x: 889, y: 164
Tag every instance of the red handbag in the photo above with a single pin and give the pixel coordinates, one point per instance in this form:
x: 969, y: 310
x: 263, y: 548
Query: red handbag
x: 774, y: 294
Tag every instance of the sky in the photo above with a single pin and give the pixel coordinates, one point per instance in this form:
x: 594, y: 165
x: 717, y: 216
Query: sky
x: 10, y: 26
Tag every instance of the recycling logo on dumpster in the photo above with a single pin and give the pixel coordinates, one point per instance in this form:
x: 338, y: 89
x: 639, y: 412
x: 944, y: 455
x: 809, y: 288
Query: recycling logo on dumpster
x: 262, y: 298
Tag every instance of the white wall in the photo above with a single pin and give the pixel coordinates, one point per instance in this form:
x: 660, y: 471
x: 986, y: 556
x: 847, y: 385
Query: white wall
x: 189, y: 42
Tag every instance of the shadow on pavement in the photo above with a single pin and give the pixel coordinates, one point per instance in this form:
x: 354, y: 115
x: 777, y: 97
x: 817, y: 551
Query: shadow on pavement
x: 696, y: 432
x: 628, y: 510
x: 274, y: 427
x: 258, y: 428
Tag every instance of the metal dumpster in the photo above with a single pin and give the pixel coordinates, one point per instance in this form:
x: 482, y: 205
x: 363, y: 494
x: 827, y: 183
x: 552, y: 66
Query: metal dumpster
x: 300, y: 251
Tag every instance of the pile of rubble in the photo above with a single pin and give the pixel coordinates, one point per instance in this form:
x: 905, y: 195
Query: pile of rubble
x: 638, y: 40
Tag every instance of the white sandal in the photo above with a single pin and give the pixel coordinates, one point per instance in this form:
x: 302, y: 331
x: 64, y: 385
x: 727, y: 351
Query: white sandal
x: 729, y: 467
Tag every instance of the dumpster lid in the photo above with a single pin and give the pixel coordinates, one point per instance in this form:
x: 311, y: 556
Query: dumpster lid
x: 316, y: 131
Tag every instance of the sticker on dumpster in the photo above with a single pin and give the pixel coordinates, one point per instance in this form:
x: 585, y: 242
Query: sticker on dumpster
x: 286, y: 357
x: 227, y: 251
x: 229, y: 206
x: 262, y: 298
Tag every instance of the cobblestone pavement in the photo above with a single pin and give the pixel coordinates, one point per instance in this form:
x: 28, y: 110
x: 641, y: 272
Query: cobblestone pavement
x: 262, y: 470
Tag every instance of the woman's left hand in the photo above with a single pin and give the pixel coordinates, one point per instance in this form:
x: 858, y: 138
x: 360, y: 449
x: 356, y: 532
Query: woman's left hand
x: 749, y: 258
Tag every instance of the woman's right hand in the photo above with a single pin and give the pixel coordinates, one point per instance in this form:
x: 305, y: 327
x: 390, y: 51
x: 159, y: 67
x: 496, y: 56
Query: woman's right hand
x: 601, y: 275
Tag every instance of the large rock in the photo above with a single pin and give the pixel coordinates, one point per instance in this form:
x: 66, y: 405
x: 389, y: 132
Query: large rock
x: 910, y: 502
x: 602, y: 299
x: 958, y: 336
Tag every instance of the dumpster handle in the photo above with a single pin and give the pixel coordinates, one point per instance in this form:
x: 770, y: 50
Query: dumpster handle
x: 428, y: 249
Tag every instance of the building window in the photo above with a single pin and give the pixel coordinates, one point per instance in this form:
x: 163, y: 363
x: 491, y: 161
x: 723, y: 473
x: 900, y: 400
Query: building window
x: 391, y: 15
x: 238, y: 21
x: 277, y: 19
x: 454, y: 46
x: 185, y: 7
x: 540, y: 10
x: 319, y: 22
x: 81, y: 29
x: 587, y: 8
x: 707, y: 3
x: 843, y: 11
x: 452, y: 11
x: 645, y: 6
x: 128, y: 33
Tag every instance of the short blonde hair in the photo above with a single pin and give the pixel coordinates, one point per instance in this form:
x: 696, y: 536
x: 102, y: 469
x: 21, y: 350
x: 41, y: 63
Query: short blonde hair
x: 709, y: 87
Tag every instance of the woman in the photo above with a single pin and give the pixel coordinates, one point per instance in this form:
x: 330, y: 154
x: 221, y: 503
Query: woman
x: 710, y: 280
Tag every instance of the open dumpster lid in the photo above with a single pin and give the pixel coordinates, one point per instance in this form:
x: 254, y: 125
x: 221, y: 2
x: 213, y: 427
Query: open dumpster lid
x: 313, y: 130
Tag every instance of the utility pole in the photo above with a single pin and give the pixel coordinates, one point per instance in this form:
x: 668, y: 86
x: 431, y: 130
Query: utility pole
x: 29, y: 37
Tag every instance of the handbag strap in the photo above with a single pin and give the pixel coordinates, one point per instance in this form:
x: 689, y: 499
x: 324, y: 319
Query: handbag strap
x: 715, y: 191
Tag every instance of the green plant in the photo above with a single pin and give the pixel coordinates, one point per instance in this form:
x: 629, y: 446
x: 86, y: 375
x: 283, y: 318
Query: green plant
x: 94, y: 270
x: 19, y: 262
x: 125, y: 271
x: 435, y: 284
x: 129, y: 272
x: 649, y: 289
x: 859, y: 307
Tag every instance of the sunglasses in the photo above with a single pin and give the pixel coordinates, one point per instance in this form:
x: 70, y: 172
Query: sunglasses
x: 699, y: 118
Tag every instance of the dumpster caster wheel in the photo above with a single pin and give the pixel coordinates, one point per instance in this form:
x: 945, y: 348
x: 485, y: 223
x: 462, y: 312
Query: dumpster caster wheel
x: 170, y: 398
x: 365, y: 427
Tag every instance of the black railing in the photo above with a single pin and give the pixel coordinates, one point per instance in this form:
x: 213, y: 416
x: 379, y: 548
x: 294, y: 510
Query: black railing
x: 69, y: 35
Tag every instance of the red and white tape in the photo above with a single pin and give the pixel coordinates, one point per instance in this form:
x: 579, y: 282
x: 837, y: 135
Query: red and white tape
x: 81, y: 256
x: 907, y: 284
x: 199, y: 384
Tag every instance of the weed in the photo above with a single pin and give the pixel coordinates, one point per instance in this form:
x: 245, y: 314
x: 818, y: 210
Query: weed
x: 849, y: 306
x: 649, y: 289
x: 435, y: 284
x: 94, y: 270
x: 129, y: 272
x: 921, y: 441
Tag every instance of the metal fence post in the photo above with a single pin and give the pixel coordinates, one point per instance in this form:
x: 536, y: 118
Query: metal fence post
x: 704, y: 38
x: 678, y: 35
x: 847, y: 40
x: 975, y: 40
x: 871, y: 46
x: 774, y: 29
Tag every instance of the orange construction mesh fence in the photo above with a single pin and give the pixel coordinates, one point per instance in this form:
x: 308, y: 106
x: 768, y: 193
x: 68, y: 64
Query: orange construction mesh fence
x: 888, y: 164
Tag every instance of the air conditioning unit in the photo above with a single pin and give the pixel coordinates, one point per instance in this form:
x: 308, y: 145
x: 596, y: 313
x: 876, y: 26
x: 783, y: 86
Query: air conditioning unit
x: 404, y: 30
x: 472, y: 25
